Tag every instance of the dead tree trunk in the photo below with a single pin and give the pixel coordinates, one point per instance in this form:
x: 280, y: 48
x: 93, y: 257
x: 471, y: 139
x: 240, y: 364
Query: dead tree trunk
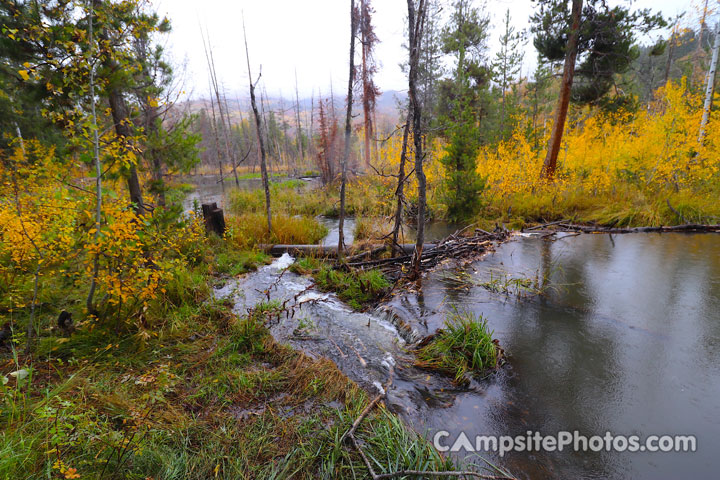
x: 400, y: 190
x: 89, y: 302
x: 348, y: 128
x: 415, y: 28
x: 710, y: 88
x: 261, y: 145
x: 217, y: 141
x: 550, y: 164
x: 298, y: 129
x: 216, y: 89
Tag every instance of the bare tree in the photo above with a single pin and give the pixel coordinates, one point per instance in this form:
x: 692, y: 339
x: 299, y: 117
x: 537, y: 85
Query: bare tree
x: 261, y: 145
x: 710, y: 88
x: 415, y: 30
x: 348, y: 128
x: 217, y: 141
x: 400, y: 190
x: 216, y: 89
x: 298, y: 125
x: 550, y: 164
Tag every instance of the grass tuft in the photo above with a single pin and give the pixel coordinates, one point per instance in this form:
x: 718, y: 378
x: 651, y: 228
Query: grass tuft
x: 463, y: 347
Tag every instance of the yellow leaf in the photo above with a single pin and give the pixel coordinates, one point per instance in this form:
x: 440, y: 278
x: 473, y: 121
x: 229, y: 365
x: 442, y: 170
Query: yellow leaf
x: 153, y: 102
x: 26, y: 65
x: 24, y: 75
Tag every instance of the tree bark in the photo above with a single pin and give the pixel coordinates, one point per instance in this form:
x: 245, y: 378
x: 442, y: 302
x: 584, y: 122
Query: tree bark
x: 121, y: 119
x: 710, y: 88
x: 98, y: 173
x: 258, y: 127
x: 120, y: 115
x: 415, y: 26
x: 550, y: 164
x: 348, y: 129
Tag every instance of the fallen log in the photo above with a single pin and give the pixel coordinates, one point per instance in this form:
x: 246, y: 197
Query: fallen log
x: 328, y: 250
x: 689, y: 227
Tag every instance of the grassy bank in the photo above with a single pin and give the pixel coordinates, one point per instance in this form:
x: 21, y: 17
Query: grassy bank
x: 207, y: 395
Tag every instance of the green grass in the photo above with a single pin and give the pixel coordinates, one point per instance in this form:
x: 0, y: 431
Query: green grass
x: 357, y: 288
x: 239, y: 262
x: 204, y: 401
x: 463, y: 347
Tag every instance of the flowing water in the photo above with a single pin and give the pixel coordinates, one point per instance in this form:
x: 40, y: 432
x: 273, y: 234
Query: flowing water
x: 625, y: 338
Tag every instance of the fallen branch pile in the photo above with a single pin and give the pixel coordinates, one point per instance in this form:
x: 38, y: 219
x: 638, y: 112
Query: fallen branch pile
x: 455, y: 246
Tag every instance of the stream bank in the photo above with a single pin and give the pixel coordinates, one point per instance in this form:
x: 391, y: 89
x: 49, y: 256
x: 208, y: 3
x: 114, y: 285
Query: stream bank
x: 619, y: 319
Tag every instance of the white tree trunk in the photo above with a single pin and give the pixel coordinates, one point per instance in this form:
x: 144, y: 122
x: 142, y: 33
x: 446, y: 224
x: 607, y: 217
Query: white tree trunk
x: 710, y: 89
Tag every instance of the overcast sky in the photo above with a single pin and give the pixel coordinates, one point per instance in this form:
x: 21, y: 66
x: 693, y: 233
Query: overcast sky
x: 312, y: 38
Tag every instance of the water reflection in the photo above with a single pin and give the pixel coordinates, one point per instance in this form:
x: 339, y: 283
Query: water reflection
x: 626, y: 341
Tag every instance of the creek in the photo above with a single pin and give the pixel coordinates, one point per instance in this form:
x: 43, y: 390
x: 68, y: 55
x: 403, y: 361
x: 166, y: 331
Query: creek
x: 617, y: 333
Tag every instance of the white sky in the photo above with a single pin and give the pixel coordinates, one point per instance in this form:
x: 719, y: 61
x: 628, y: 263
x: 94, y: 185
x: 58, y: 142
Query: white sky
x: 312, y: 37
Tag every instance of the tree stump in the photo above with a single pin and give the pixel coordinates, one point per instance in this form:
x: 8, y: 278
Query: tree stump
x: 214, y: 218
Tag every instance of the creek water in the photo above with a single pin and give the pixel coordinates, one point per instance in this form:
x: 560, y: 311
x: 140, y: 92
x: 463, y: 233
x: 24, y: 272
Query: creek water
x: 625, y: 338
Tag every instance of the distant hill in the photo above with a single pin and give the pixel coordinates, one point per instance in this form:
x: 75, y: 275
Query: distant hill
x: 387, y: 106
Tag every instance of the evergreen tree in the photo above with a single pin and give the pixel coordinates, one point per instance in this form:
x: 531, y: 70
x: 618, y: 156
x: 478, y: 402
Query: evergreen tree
x: 465, y: 39
x: 506, y: 65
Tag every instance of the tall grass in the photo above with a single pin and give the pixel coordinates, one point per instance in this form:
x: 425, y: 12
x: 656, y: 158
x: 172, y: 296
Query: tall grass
x: 250, y: 229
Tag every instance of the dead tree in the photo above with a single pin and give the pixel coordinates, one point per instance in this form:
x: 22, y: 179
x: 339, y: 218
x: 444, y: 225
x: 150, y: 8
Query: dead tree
x: 348, y: 127
x: 89, y: 302
x: 216, y: 89
x: 370, y: 91
x: 400, y: 190
x: 298, y: 125
x: 261, y: 145
x: 710, y: 88
x: 415, y: 30
x: 550, y: 164
x: 216, y: 137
